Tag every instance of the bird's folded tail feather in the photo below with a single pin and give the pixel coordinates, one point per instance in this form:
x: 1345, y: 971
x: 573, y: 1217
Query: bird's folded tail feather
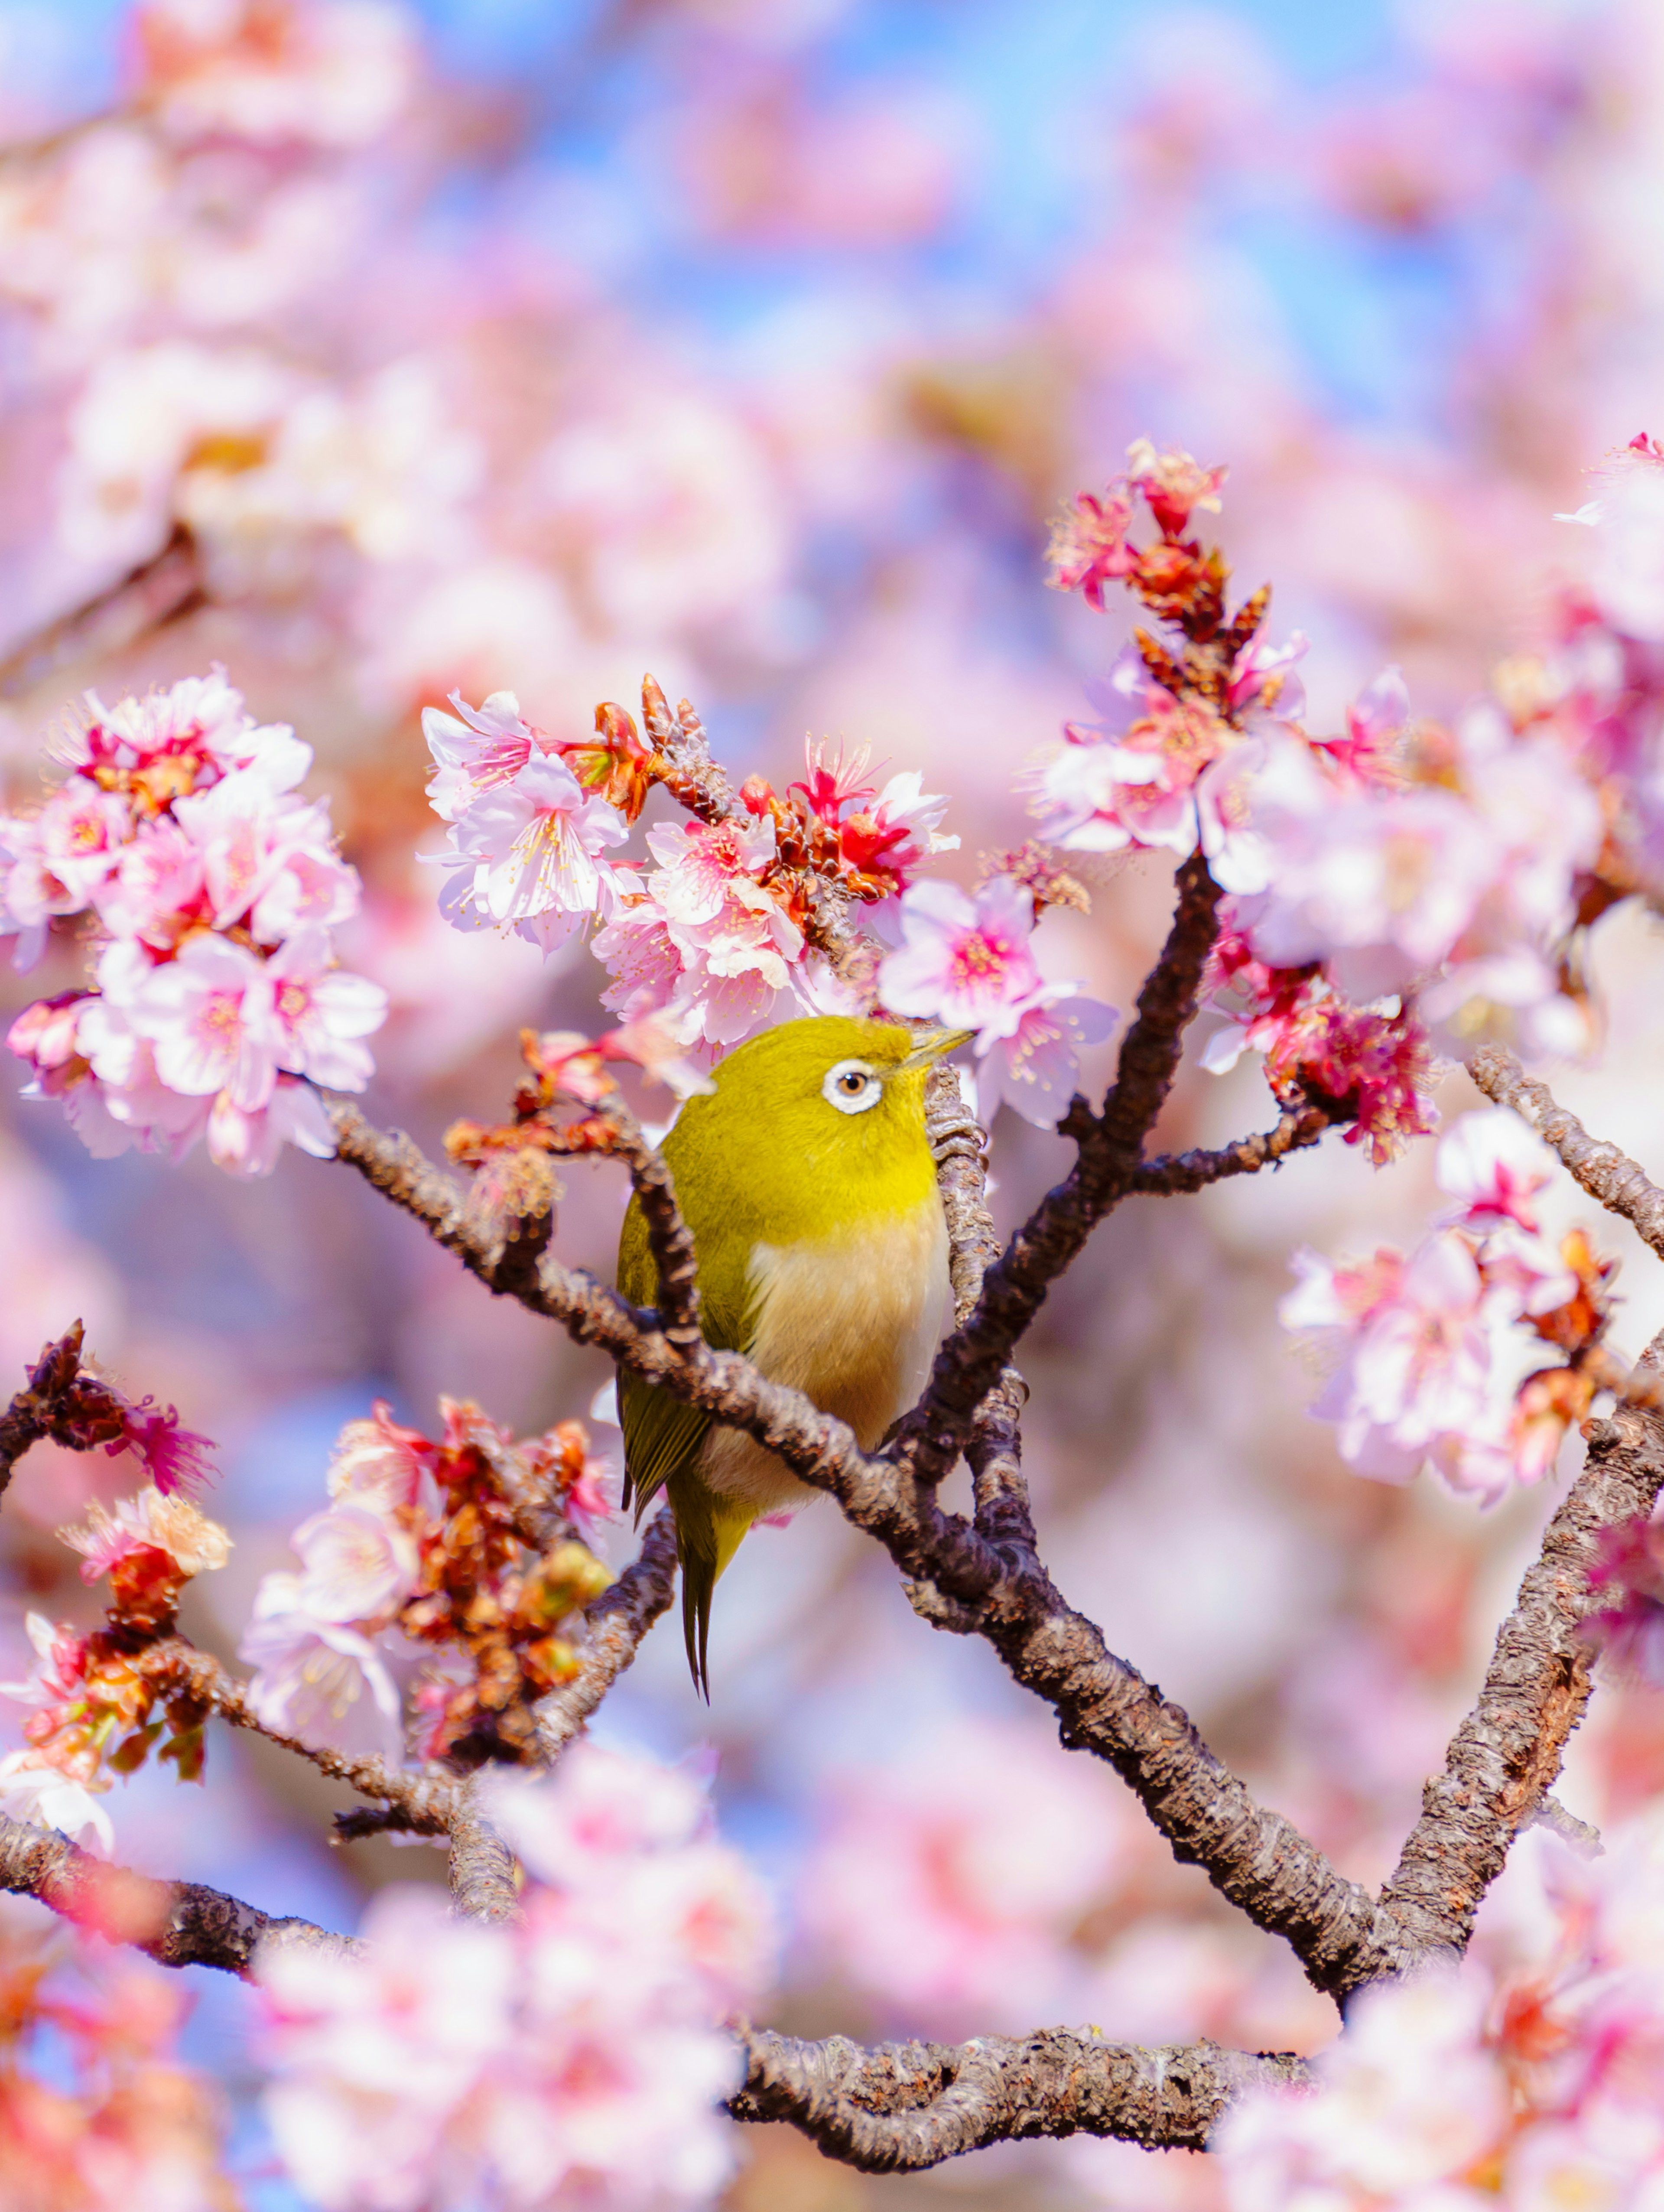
x: 709, y: 1530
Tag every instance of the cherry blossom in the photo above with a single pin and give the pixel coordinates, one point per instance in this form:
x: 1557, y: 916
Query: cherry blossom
x: 579, y: 2051
x: 528, y: 855
x: 969, y: 963
x: 33, y: 1789
x: 475, y: 749
x: 316, y: 1679
x: 153, y: 1521
x: 359, y: 1564
x: 312, y: 1016
x: 1088, y: 547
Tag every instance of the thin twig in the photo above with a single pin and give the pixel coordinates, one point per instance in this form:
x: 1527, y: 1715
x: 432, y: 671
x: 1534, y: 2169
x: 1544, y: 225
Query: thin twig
x: 1505, y: 1757
x: 179, y: 1924
x: 1606, y: 1173
x: 904, y: 2106
x: 1187, y: 1171
x: 429, y: 1801
x: 668, y: 1236
x: 614, y: 1624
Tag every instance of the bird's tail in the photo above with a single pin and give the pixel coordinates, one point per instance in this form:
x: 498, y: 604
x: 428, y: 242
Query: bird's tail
x: 709, y: 1530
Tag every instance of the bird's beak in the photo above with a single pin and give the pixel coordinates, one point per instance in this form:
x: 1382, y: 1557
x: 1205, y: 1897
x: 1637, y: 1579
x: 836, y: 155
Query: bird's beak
x: 933, y: 1046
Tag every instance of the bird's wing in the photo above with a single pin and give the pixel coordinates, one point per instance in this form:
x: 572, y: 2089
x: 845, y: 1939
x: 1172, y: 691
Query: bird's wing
x: 662, y: 1434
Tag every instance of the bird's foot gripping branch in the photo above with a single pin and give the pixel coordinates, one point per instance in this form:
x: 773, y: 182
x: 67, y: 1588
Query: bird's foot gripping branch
x: 1362, y: 909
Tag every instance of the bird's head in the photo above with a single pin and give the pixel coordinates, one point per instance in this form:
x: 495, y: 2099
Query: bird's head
x: 833, y: 1106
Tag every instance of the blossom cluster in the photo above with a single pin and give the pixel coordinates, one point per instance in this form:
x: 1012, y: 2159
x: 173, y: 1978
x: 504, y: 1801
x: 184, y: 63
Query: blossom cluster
x: 421, y: 1572
x: 210, y: 888
x: 1526, y: 2078
x: 575, y: 2056
x: 96, y: 2111
x: 1398, y: 888
x: 95, y: 1712
x: 1469, y: 1353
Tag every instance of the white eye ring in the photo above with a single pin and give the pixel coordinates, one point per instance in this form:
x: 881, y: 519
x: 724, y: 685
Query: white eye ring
x: 852, y: 1086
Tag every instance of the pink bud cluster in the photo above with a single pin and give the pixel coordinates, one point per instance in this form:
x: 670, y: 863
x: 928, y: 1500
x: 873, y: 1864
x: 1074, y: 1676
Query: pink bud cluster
x: 1530, y: 2078
x: 210, y: 889
x: 1435, y: 1354
x: 575, y: 2056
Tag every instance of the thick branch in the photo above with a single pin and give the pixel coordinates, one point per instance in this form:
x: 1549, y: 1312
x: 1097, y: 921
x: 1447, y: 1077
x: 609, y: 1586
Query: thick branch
x: 615, y: 1625
x: 1505, y: 1757
x: 181, y: 1923
x: 427, y: 1801
x: 906, y: 2106
x: 1257, y: 1858
x: 1015, y: 1287
x: 1606, y: 1173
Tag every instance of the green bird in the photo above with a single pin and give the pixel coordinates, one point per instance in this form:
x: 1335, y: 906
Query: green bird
x: 807, y: 1180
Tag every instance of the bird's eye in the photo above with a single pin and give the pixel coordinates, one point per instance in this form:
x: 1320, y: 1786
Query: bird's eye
x: 852, y: 1087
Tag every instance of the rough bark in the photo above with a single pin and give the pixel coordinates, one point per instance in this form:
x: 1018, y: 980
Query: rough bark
x: 1605, y: 1172
x: 178, y: 1923
x: 1504, y: 1759
x: 911, y: 2105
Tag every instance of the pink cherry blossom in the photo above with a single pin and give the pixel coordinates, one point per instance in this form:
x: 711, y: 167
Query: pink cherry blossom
x: 316, y: 1679
x: 1034, y: 1070
x: 312, y: 1015
x: 269, y: 861
x: 35, y: 1790
x: 700, y: 864
x: 196, y: 1013
x: 475, y: 749
x: 177, y: 1460
x: 1172, y: 484
x: 245, y: 1142
x: 276, y: 72
x: 380, y: 1464
x: 155, y: 891
x: 79, y: 834
x: 151, y: 1520
x: 200, y: 722
x: 1496, y: 1166
x: 1088, y: 547
x: 359, y: 1565
x: 528, y: 853
x: 966, y: 962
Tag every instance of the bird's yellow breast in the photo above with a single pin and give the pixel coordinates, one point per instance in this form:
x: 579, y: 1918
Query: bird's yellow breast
x: 852, y: 1322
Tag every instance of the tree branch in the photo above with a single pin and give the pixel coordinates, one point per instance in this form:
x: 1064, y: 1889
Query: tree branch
x: 178, y: 1923
x: 483, y: 1881
x: 908, y: 2106
x: 1187, y: 1171
x: 1505, y: 1757
x: 1606, y: 1173
x: 1254, y: 1856
x: 429, y: 1802
x: 1014, y: 1289
x: 615, y: 1625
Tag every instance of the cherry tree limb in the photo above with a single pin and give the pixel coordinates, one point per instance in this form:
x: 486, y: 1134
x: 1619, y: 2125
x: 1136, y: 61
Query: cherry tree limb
x: 1605, y: 1173
x: 1015, y: 1287
x: 484, y: 1885
x: 904, y: 2106
x: 427, y: 1803
x: 1254, y: 1856
x: 178, y: 1923
x: 1505, y: 1757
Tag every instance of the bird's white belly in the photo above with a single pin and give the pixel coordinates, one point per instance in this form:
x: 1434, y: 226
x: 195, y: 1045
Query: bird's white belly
x: 851, y: 1323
